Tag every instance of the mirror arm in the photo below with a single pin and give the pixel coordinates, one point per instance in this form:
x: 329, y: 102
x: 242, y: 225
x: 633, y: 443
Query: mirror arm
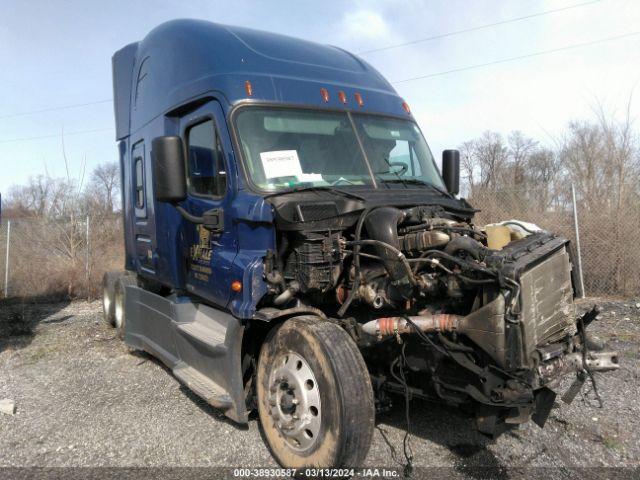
x: 187, y: 216
x: 212, y: 220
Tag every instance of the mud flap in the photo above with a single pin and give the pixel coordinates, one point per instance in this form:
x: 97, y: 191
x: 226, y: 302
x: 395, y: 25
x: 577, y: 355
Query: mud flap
x: 544, y: 399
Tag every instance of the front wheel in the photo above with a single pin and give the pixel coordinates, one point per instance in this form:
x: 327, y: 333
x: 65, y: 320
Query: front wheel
x: 315, y: 398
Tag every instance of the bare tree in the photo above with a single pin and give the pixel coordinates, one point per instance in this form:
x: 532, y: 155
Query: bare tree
x: 519, y: 152
x: 468, y: 164
x: 491, y: 156
x: 545, y: 178
x: 104, y: 187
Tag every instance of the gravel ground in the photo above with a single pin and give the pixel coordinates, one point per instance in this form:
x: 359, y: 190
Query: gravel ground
x: 84, y: 400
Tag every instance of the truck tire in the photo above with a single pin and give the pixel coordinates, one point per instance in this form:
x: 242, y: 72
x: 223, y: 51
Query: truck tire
x: 108, y: 296
x: 120, y: 317
x: 315, y: 398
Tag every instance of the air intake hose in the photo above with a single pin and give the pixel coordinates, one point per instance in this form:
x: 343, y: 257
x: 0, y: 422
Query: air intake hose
x: 382, y: 225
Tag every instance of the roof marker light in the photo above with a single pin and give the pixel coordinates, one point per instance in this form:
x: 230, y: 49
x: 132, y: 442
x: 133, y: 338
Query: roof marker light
x: 249, y: 88
x: 325, y: 95
x: 359, y: 99
x: 405, y: 105
x: 342, y: 97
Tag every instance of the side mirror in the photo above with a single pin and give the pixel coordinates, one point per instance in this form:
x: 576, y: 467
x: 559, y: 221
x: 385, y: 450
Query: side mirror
x: 169, y: 179
x: 451, y: 170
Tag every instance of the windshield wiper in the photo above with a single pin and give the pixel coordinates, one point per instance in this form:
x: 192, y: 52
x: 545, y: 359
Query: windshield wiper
x: 320, y: 188
x: 397, y: 174
x: 414, y: 181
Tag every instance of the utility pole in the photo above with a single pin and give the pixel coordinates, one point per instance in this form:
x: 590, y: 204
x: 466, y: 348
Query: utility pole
x: 6, y: 261
x: 577, y: 230
x: 86, y: 262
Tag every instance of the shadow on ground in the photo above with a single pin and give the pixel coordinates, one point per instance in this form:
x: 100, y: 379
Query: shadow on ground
x: 441, y: 424
x: 449, y: 427
x: 213, y: 412
x: 20, y: 316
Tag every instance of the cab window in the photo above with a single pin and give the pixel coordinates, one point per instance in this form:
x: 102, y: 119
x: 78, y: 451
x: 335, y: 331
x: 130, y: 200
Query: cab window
x: 205, y: 170
x: 139, y: 183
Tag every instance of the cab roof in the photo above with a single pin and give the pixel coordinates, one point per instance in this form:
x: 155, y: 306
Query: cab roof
x: 184, y: 60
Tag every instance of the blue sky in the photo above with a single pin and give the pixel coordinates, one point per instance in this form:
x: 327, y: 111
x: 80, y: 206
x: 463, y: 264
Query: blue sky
x: 57, y: 53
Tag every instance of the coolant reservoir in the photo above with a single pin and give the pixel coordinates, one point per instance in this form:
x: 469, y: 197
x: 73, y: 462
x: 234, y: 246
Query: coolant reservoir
x: 498, y: 236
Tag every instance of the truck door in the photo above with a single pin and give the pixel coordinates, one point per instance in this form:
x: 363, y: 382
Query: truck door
x: 210, y: 253
x: 143, y: 221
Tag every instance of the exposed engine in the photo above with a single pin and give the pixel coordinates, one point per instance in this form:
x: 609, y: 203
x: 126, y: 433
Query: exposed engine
x: 391, y: 258
x: 480, y: 315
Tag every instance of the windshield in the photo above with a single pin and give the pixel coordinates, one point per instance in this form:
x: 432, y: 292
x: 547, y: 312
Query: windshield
x: 396, y: 150
x: 285, y: 148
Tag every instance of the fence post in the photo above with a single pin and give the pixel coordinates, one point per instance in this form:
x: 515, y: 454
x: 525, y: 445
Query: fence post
x: 577, y: 230
x: 86, y: 262
x: 6, y: 261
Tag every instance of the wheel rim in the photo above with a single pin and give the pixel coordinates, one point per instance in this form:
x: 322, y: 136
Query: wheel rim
x: 106, y: 301
x: 294, y: 401
x: 119, y: 311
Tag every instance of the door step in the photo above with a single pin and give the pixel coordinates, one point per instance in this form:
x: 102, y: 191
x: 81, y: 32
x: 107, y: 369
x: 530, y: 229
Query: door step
x: 205, y: 330
x: 207, y: 335
x: 206, y: 388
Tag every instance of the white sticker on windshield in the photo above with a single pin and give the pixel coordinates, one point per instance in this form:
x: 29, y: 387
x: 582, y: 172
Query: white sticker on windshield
x: 281, y: 163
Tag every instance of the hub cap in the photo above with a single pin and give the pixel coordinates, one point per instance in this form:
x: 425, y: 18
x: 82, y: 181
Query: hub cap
x: 294, y: 401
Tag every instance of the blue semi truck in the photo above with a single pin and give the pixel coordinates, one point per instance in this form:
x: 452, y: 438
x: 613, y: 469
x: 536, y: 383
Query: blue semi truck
x: 292, y: 248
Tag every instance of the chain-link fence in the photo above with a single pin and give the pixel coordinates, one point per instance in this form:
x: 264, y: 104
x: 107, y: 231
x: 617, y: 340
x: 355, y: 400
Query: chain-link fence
x: 51, y: 258
x: 609, y: 231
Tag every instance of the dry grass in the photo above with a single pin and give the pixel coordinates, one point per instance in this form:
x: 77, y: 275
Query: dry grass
x: 48, y: 260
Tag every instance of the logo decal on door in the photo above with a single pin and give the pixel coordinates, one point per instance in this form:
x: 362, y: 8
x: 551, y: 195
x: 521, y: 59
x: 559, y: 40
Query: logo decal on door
x: 201, y: 255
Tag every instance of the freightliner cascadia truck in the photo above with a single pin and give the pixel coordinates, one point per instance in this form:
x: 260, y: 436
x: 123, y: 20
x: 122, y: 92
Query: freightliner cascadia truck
x: 293, y: 249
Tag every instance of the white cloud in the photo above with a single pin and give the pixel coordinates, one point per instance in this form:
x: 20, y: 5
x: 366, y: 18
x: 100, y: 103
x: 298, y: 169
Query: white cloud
x: 364, y: 25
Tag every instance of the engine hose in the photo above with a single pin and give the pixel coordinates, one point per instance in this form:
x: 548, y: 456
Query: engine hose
x: 452, y: 345
x: 356, y: 262
x: 388, y: 326
x: 464, y: 278
x: 518, y: 224
x: 468, y: 245
x: 457, y: 261
x: 399, y: 256
x: 284, y: 297
x: 287, y: 295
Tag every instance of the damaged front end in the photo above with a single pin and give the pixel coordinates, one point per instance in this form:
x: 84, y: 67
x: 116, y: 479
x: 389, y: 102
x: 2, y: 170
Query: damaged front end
x: 440, y: 308
x: 521, y: 338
